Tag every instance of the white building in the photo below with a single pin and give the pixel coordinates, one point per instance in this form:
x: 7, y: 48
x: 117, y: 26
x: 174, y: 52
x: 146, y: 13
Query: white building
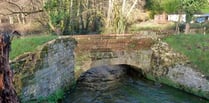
x: 175, y: 17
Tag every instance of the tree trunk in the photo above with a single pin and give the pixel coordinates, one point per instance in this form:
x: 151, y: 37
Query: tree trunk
x: 131, y: 9
x: 187, y: 28
x: 109, y: 13
x: 18, y: 18
x: 123, y: 7
x: 188, y: 19
x: 178, y: 22
x: 7, y: 91
x: 57, y: 31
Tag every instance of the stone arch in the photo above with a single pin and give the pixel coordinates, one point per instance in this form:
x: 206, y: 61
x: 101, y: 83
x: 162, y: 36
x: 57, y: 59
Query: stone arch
x: 88, y: 59
x: 108, y: 76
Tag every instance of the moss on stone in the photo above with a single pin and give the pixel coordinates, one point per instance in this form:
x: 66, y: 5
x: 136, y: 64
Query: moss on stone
x: 81, y: 59
x: 26, y: 65
x: 55, y: 97
x: 165, y: 80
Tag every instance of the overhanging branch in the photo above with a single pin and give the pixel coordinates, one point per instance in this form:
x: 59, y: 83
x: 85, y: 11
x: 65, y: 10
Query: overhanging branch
x: 22, y: 12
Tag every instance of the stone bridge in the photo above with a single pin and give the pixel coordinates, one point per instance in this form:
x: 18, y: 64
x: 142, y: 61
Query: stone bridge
x: 58, y: 63
x: 126, y: 49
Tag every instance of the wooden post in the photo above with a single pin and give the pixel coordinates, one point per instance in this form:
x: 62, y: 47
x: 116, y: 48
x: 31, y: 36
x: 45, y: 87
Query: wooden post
x: 204, y: 30
x: 7, y: 91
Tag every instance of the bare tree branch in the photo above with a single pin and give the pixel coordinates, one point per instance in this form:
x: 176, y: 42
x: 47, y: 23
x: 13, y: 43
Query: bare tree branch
x: 135, y: 2
x: 23, y: 12
x: 12, y: 3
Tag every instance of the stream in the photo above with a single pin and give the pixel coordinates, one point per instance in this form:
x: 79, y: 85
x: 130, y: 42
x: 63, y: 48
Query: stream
x: 132, y: 90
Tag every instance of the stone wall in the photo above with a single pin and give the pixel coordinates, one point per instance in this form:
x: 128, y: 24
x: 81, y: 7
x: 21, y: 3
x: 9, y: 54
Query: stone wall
x: 45, y: 71
x: 174, y: 69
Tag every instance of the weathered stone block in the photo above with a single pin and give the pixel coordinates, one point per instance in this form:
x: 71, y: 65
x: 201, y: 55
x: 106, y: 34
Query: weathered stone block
x: 41, y: 73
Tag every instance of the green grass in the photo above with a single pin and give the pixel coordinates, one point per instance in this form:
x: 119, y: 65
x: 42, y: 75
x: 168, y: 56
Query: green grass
x: 28, y: 44
x: 195, y: 47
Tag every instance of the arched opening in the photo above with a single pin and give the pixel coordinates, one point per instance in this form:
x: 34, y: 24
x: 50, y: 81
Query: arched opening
x: 133, y: 71
x: 122, y: 84
x: 108, y: 76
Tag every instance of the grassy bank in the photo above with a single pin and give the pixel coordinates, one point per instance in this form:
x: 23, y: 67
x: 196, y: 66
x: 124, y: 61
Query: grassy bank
x: 150, y: 26
x: 195, y: 47
x: 28, y: 44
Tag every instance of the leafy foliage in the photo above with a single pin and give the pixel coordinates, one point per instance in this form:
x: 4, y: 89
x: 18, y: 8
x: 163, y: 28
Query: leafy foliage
x: 171, y: 6
x: 160, y: 6
x: 192, y: 6
x: 58, y: 13
x: 84, y: 16
x: 175, y: 6
x: 154, y: 6
x: 205, y: 9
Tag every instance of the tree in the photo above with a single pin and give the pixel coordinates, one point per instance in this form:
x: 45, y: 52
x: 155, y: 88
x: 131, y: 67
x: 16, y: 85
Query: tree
x: 154, y: 6
x: 119, y: 15
x: 70, y: 16
x: 171, y: 6
x: 7, y: 91
x: 84, y: 16
x: 190, y: 7
x: 160, y: 6
x: 58, y: 12
x: 20, y: 9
